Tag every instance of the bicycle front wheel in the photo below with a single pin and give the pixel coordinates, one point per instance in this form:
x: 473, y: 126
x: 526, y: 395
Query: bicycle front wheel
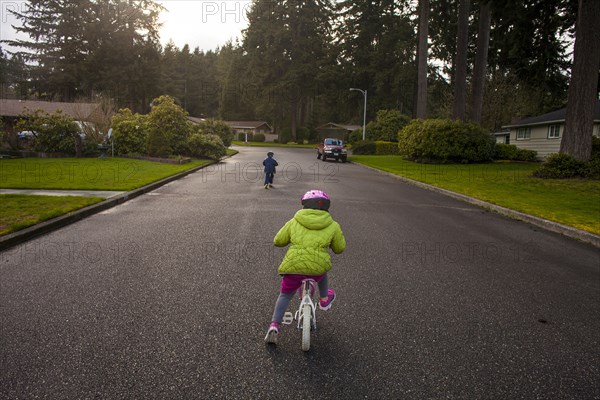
x: 306, y: 320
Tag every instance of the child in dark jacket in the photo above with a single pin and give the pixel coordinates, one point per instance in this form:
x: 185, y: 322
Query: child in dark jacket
x: 270, y: 163
x: 310, y: 234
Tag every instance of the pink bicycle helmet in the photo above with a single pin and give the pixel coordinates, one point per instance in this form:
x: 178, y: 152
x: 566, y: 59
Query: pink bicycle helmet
x: 316, y: 200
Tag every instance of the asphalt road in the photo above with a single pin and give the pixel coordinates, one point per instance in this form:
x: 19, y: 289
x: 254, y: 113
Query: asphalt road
x: 168, y: 296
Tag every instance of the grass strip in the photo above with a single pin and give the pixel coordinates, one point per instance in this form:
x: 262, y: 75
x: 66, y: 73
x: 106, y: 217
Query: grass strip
x: 571, y: 202
x: 21, y: 211
x: 271, y: 144
x: 86, y: 173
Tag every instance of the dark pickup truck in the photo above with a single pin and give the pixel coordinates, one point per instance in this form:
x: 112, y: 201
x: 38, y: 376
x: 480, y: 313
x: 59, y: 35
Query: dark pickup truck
x: 332, y: 148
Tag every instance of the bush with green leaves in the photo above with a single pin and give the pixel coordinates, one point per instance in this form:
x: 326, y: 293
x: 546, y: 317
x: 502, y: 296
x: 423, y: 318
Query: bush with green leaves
x: 258, y: 137
x: 388, y: 123
x: 592, y: 168
x: 129, y: 132
x: 560, y: 166
x: 526, y: 155
x: 445, y: 141
x: 203, y: 145
x: 513, y: 153
x: 54, y: 133
x: 383, y: 148
x: 168, y: 128
x: 378, y: 148
x: 367, y: 147
x: 219, y: 128
x: 355, y: 136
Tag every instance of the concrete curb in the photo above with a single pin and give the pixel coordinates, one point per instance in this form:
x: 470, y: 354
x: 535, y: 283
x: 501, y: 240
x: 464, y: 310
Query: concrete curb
x: 551, y: 226
x: 42, y: 228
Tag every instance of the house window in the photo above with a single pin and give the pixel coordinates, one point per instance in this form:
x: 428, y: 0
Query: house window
x: 553, y: 131
x: 523, y: 133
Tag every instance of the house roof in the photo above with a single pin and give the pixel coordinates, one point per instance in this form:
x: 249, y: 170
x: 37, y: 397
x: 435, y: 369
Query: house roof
x: 196, y: 120
x: 333, y: 125
x: 247, y: 124
x: 554, y: 116
x: 78, y: 111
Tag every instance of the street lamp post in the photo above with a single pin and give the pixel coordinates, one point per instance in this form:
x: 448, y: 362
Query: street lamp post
x: 364, y: 92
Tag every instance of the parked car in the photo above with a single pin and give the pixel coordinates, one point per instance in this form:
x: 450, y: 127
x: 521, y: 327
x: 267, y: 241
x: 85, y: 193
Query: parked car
x: 332, y: 148
x: 26, y: 134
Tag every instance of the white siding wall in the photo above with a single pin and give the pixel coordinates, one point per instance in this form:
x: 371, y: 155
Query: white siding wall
x: 538, y: 141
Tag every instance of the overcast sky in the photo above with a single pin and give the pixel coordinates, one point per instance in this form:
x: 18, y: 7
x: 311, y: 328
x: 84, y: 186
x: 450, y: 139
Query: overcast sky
x: 198, y: 23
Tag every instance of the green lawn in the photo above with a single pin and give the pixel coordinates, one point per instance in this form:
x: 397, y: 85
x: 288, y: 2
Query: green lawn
x: 85, y: 173
x: 571, y: 202
x: 20, y: 211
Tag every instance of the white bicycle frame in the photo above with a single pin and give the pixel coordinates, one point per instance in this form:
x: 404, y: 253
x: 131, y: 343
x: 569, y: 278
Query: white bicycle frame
x: 307, y: 299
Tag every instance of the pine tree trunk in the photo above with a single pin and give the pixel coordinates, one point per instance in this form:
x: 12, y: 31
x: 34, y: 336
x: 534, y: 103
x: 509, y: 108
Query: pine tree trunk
x: 579, y: 120
x: 460, y: 68
x: 479, y: 71
x: 421, y: 106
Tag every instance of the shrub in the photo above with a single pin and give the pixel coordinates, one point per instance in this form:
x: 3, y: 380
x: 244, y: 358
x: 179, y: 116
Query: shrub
x: 591, y: 169
x: 526, y: 155
x: 168, y: 128
x: 355, y: 136
x: 560, y: 166
x: 364, y: 148
x: 221, y: 129
x: 386, y: 148
x: 389, y: 123
x: 505, y: 151
x: 55, y: 133
x: 258, y: 137
x: 444, y: 141
x: 512, y: 152
x: 206, y: 146
x: 129, y: 132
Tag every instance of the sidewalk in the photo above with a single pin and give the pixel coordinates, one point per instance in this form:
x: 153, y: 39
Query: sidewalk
x: 85, y: 193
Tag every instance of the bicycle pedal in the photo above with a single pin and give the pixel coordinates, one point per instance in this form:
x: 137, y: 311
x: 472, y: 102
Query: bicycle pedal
x: 288, y: 318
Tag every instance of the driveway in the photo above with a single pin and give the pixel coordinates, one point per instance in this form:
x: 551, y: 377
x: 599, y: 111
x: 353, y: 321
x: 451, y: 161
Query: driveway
x: 168, y: 296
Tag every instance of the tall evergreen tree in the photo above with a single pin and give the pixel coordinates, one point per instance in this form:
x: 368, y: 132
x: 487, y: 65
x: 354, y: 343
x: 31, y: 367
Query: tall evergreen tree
x: 421, y: 95
x: 286, y: 42
x: 87, y: 46
x: 583, y: 88
x: 377, y: 50
x: 460, y: 69
x: 479, y: 70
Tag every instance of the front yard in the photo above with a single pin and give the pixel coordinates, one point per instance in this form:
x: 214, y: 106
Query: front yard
x: 85, y: 173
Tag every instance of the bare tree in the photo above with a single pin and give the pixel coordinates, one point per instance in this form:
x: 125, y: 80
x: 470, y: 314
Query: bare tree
x: 579, y: 121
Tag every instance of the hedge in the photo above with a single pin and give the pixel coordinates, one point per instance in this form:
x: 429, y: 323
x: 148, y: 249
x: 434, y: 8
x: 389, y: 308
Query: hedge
x: 445, y: 141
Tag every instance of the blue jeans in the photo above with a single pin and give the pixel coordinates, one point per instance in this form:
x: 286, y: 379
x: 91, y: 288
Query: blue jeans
x: 269, y: 177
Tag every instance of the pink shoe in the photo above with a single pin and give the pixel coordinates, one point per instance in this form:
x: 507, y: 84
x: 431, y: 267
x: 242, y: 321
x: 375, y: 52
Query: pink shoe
x: 326, y: 305
x: 272, y: 333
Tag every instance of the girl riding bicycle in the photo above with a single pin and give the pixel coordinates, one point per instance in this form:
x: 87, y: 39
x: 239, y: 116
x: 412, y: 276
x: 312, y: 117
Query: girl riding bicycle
x: 310, y: 233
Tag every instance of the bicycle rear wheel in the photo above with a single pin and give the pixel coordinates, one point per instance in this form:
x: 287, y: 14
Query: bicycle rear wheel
x: 306, y: 321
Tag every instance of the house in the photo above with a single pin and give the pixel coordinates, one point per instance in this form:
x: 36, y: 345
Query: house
x: 544, y: 132
x: 11, y: 109
x: 252, y: 127
x: 338, y: 131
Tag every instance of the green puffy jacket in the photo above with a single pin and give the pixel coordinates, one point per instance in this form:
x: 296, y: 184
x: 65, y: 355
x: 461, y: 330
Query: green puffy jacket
x: 310, y: 234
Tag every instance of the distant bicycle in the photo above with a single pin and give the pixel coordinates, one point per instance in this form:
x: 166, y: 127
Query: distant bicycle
x: 305, y: 316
